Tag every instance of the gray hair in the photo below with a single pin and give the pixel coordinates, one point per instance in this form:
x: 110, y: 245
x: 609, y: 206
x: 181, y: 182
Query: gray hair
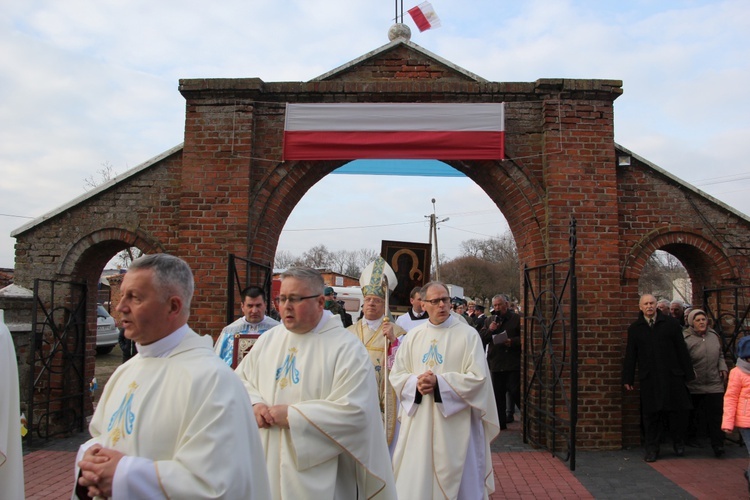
x: 172, y: 275
x: 310, y: 276
x: 502, y: 297
x: 663, y: 301
x: 432, y: 284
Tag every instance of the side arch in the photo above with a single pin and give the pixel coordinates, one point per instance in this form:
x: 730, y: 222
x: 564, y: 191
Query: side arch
x: 103, y: 244
x: 703, y: 258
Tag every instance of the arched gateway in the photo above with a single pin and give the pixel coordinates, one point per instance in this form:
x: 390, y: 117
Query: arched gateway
x: 227, y: 190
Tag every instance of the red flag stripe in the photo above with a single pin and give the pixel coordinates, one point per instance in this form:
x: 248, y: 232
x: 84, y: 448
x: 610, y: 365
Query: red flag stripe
x: 444, y: 145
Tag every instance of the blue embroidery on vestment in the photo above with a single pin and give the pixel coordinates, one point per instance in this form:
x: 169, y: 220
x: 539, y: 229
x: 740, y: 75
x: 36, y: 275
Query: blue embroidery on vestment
x: 122, y: 420
x: 433, y: 357
x: 288, y: 373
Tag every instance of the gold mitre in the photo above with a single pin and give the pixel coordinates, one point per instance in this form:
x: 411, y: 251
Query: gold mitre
x: 376, y: 277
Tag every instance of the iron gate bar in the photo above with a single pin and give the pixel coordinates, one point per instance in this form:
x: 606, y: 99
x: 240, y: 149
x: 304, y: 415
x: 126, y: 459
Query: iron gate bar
x: 544, y: 370
x: 59, y: 360
x: 738, y: 319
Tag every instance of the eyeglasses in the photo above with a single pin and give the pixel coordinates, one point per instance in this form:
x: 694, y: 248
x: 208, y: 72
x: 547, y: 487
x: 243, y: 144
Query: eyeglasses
x: 293, y: 299
x: 434, y: 302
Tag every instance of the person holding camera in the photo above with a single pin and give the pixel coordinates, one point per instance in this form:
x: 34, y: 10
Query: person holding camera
x: 501, y: 336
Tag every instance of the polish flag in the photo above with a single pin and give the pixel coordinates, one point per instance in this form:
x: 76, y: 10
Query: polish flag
x: 424, y: 16
x: 348, y: 131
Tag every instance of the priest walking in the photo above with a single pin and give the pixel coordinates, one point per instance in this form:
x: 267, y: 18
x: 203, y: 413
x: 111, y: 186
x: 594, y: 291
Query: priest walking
x: 174, y: 421
x: 316, y: 402
x: 448, y: 413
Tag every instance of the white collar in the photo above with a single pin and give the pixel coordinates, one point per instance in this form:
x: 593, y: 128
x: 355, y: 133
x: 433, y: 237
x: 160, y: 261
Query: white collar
x: 373, y: 324
x: 163, y: 347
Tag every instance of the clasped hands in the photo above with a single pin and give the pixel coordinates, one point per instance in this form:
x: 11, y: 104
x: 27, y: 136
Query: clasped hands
x: 98, y: 466
x: 269, y: 416
x: 426, y: 382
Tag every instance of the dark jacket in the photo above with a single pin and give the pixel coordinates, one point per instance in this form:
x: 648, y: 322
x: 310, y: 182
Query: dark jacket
x: 501, y: 358
x: 664, y: 365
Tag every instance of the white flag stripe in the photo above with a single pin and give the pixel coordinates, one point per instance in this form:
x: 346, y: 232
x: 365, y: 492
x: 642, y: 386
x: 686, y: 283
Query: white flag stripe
x: 345, y: 117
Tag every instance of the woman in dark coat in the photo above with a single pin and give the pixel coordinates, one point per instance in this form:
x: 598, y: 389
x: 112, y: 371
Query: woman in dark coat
x: 664, y: 367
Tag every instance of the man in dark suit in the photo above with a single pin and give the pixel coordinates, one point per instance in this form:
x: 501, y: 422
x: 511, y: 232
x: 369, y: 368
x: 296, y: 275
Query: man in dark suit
x: 501, y: 333
x: 656, y: 346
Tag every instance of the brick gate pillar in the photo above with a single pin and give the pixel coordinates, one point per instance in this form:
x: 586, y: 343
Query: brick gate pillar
x: 580, y: 179
x: 213, y: 210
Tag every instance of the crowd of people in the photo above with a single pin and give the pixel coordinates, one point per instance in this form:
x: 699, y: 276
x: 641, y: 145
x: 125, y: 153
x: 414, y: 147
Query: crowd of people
x: 686, y: 388
x: 312, y: 410
x: 382, y: 409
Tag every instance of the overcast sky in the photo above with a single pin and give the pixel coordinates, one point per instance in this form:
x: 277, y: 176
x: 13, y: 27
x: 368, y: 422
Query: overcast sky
x: 92, y: 83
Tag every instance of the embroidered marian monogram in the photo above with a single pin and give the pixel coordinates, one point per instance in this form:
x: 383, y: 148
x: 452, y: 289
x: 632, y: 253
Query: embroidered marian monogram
x: 288, y: 373
x: 433, y: 357
x: 121, y: 423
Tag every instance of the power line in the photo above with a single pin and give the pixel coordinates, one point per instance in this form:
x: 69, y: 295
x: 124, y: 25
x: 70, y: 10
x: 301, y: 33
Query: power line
x: 352, y: 227
x: 16, y: 216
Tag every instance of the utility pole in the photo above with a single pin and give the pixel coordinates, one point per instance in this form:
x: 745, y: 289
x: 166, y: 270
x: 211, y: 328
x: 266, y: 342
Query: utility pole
x: 433, y: 234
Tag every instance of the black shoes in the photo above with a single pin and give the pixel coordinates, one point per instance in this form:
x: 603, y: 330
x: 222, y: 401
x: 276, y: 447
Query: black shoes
x: 509, y: 419
x: 718, y: 451
x: 651, y: 456
x: 679, y: 450
x: 747, y: 478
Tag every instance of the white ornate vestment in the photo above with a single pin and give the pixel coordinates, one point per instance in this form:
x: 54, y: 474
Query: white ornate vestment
x: 11, y: 457
x: 188, y: 413
x: 443, y: 448
x: 374, y: 342
x: 334, y: 447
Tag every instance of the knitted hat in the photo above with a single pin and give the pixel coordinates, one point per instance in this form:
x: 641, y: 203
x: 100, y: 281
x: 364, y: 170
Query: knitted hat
x: 743, y: 347
x: 693, y: 314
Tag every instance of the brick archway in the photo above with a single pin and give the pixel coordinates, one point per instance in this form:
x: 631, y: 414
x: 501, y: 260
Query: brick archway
x: 103, y: 244
x: 702, y: 257
x: 227, y: 191
x: 508, y: 184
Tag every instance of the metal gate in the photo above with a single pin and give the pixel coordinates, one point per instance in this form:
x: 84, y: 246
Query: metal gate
x: 550, y: 356
x: 240, y: 277
x: 58, y: 346
x: 728, y: 309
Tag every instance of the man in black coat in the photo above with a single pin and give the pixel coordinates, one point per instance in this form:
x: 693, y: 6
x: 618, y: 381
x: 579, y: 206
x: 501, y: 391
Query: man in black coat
x: 503, y: 355
x: 657, y: 347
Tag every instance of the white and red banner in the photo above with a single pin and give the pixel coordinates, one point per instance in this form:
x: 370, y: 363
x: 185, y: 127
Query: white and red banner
x: 424, y: 16
x: 348, y: 131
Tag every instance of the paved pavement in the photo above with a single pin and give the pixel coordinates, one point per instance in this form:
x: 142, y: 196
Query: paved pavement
x: 520, y: 472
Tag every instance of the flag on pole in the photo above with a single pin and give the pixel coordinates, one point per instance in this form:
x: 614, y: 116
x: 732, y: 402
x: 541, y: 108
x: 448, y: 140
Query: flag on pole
x: 347, y: 131
x: 424, y: 16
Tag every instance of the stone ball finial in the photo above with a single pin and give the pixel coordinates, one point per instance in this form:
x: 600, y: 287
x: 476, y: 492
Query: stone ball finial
x: 399, y: 30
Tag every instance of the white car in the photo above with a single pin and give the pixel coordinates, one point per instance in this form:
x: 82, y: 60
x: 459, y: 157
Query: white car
x: 106, y: 331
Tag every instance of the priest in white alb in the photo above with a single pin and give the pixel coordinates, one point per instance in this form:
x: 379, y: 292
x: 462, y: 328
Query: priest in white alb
x: 448, y: 414
x: 174, y: 421
x: 11, y: 455
x: 315, y: 401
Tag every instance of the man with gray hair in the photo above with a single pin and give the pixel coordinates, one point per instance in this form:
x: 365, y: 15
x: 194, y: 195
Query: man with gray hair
x: 501, y: 334
x: 316, y: 402
x: 447, y: 411
x: 174, y: 421
x: 663, y: 306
